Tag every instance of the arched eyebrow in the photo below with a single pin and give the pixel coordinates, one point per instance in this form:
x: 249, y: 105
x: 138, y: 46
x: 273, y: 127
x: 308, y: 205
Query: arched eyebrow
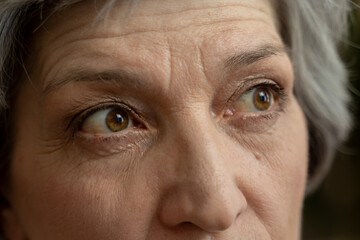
x: 248, y: 57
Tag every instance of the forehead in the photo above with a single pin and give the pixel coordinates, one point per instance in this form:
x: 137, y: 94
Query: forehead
x: 190, y: 12
x: 88, y: 19
x: 133, y: 36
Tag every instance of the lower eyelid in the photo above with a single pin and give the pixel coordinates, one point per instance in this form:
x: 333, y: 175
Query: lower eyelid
x: 254, y: 123
x: 109, y: 144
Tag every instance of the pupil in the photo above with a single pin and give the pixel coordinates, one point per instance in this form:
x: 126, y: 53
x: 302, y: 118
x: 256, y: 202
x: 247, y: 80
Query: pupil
x: 262, y: 97
x: 118, y: 118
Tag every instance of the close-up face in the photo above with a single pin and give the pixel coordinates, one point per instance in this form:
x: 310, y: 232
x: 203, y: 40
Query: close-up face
x: 161, y: 120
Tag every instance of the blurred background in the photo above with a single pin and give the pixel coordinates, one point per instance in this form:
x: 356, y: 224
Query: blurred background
x: 333, y: 211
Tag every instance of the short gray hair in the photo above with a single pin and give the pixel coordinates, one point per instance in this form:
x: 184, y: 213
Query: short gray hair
x: 312, y: 29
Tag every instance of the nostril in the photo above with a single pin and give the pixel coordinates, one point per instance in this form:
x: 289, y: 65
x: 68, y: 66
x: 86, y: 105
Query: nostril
x: 186, y: 223
x: 185, y: 227
x: 211, y: 219
x: 186, y: 209
x: 191, y: 226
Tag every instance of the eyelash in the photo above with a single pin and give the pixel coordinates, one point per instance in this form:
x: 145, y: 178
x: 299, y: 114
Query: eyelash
x: 79, y: 118
x: 281, y: 98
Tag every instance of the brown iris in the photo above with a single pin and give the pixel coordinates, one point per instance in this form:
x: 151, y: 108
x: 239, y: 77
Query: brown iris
x: 117, y: 120
x: 262, y: 99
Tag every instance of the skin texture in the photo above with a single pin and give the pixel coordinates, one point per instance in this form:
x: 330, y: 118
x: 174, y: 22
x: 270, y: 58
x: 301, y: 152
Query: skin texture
x: 194, y: 163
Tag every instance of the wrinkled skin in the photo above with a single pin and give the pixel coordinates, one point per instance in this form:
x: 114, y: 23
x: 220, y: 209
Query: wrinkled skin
x: 194, y: 163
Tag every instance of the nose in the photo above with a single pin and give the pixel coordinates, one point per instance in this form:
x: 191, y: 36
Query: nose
x: 202, y: 188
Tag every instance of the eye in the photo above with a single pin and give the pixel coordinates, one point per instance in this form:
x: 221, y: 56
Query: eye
x: 112, y: 119
x: 256, y: 99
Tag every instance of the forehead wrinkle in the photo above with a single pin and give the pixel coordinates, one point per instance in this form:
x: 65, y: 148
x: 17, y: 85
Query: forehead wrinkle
x: 215, y: 21
x: 206, y: 8
x: 107, y: 36
x: 72, y: 52
x: 44, y: 75
x: 173, y: 24
x: 130, y: 28
x: 134, y: 33
x: 61, y: 35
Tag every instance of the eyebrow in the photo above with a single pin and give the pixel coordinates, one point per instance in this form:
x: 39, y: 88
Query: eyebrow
x: 118, y: 76
x: 130, y: 79
x: 248, y: 57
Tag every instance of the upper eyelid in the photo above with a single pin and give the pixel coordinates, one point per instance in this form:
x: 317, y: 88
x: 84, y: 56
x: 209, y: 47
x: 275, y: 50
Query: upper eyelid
x: 273, y: 86
x: 274, y: 67
x: 251, y: 84
x: 283, y: 96
x: 245, y: 84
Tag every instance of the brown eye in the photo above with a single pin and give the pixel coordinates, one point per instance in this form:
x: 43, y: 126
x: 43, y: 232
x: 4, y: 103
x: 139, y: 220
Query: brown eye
x: 112, y: 119
x: 117, y: 120
x: 255, y: 100
x: 262, y: 99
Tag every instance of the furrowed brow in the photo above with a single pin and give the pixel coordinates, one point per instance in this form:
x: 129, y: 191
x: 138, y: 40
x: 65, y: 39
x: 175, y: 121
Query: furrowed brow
x: 120, y: 77
x: 131, y: 79
x: 248, y: 57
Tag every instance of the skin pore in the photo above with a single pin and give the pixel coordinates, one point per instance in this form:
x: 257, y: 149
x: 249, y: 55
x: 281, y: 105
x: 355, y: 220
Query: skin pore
x: 200, y: 153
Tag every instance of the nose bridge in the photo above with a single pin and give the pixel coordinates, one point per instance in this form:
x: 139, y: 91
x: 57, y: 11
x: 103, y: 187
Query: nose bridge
x: 202, y: 159
x: 204, y: 192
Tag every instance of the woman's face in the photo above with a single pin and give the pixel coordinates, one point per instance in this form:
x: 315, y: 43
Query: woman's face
x: 176, y: 121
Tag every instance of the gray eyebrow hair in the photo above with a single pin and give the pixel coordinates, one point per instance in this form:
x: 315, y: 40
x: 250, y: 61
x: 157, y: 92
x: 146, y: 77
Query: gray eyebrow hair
x: 248, y: 57
x: 121, y: 76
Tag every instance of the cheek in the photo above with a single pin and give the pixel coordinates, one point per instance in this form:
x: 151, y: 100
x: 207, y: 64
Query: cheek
x: 287, y: 171
x: 59, y: 196
x: 292, y: 153
x: 275, y: 187
x: 88, y: 201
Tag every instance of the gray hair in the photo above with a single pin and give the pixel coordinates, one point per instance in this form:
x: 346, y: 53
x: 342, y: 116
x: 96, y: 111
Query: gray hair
x: 315, y: 30
x: 312, y: 29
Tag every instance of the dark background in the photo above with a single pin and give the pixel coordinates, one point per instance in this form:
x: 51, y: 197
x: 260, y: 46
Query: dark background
x: 333, y: 211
